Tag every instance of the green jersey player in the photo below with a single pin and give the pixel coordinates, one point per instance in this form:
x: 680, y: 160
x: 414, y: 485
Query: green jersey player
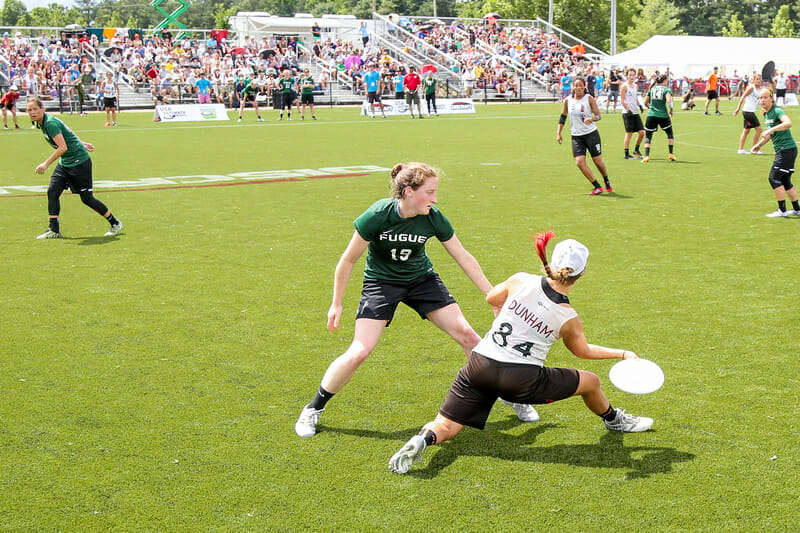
x: 777, y: 124
x: 394, y: 233
x: 74, y: 169
x: 286, y: 85
x: 659, y: 102
x: 249, y: 93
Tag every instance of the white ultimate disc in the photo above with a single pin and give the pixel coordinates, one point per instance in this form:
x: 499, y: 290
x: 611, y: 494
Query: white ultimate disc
x: 636, y: 376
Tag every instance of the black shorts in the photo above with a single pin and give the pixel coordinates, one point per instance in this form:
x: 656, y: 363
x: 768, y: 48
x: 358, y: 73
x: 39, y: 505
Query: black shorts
x: 590, y: 142
x: 633, y: 122
x: 307, y: 98
x: 711, y: 95
x: 373, y: 98
x: 9, y: 105
x: 110, y: 103
x: 653, y: 123
x: 248, y: 97
x: 780, y: 175
x: 287, y: 99
x: 379, y: 299
x: 482, y: 380
x: 750, y: 120
x: 780, y: 93
x: 77, y: 179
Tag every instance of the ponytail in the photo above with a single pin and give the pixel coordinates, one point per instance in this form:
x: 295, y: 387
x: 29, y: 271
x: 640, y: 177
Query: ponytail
x: 541, y: 241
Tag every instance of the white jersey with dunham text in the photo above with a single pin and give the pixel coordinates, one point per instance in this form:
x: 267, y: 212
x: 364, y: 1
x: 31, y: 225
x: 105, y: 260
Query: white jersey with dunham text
x: 528, y: 324
x: 577, y: 111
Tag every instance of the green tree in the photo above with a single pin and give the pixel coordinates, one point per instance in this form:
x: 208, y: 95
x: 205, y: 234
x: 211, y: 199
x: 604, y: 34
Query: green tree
x: 735, y: 28
x: 11, y: 13
x: 782, y: 26
x: 657, y: 17
x: 221, y: 16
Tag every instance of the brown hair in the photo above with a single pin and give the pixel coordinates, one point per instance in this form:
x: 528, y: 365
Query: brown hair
x: 412, y: 174
x: 34, y: 99
x: 562, y: 275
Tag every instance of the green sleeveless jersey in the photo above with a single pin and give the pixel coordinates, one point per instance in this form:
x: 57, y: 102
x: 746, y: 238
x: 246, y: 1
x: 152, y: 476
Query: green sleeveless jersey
x: 781, y: 140
x: 658, y: 101
x: 430, y: 85
x: 76, y: 153
x: 397, y: 245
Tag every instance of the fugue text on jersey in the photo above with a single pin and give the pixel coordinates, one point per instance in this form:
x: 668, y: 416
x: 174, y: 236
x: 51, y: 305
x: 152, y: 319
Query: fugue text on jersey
x: 402, y: 237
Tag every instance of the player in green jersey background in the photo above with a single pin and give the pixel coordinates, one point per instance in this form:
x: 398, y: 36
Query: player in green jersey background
x: 74, y: 169
x: 659, y: 102
x: 777, y: 124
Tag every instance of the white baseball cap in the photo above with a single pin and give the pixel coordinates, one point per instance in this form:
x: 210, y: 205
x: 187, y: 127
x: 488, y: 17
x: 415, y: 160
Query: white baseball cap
x: 570, y: 254
x: 13, y: 88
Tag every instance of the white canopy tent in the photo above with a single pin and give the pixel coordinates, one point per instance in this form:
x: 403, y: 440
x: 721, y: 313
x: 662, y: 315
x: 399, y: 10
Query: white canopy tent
x: 258, y: 24
x: 695, y: 57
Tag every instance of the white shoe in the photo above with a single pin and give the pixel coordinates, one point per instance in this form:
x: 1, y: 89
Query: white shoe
x: 793, y: 212
x: 629, y: 423
x: 525, y: 412
x: 778, y: 213
x: 306, y: 425
x: 743, y: 152
x: 115, y: 228
x: 410, y: 453
x: 758, y: 152
x: 49, y: 234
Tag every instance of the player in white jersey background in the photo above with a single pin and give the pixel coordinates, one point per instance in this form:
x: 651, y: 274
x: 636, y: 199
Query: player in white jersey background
x: 582, y: 110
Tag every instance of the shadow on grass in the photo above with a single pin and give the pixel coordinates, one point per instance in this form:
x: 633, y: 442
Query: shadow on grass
x: 90, y: 241
x: 610, y: 452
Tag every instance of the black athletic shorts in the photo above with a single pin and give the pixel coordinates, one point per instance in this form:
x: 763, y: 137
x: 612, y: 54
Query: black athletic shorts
x: 307, y: 98
x: 711, y: 95
x: 373, y: 97
x: 590, y: 142
x: 379, y: 299
x: 780, y: 175
x: 109, y: 103
x: 77, y: 179
x: 750, y: 120
x: 633, y: 122
x: 780, y: 93
x: 482, y: 380
x: 287, y: 99
x: 653, y: 123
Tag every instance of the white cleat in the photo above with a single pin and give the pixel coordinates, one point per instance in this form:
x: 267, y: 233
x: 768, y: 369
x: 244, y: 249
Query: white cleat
x: 525, y: 412
x: 306, y: 425
x: 777, y: 213
x: 410, y: 453
x: 629, y: 423
x: 49, y: 234
x: 115, y: 229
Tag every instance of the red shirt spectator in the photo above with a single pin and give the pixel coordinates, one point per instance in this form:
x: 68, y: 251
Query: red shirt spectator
x: 412, y: 80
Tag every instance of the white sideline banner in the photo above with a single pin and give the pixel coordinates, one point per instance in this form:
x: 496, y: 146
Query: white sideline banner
x: 191, y: 112
x: 399, y: 107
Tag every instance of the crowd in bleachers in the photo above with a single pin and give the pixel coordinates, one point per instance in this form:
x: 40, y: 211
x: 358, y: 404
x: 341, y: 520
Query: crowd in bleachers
x: 487, y: 54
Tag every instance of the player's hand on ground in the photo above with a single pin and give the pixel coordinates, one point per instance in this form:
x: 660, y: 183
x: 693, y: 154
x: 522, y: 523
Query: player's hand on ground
x: 627, y: 354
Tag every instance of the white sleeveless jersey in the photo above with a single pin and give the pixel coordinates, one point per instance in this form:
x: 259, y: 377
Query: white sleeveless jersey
x: 528, y: 324
x: 577, y: 111
x: 109, y: 89
x: 631, y: 101
x: 751, y: 101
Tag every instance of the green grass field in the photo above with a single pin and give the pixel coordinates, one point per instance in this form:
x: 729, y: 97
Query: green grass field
x: 150, y: 382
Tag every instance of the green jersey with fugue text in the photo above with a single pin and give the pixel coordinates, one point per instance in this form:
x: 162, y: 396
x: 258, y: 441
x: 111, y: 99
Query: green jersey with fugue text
x: 397, y: 245
x: 781, y: 140
x: 76, y: 153
x: 286, y: 84
x: 658, y: 101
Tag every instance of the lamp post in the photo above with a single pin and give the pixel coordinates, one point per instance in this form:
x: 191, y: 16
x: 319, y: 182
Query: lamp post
x: 613, y: 27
